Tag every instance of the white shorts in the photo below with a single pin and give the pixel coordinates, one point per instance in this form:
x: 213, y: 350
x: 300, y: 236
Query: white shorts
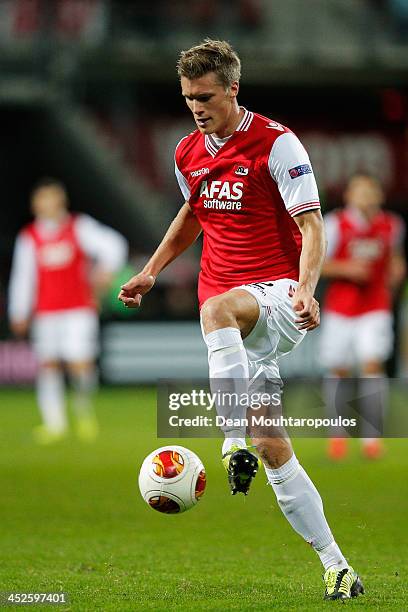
x: 68, y: 335
x: 352, y: 341
x: 275, y: 333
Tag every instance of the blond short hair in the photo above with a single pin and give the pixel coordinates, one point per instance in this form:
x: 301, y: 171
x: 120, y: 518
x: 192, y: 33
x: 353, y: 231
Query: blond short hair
x: 210, y: 56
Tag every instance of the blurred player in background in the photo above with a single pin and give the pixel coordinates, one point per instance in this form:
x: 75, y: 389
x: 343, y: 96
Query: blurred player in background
x: 365, y: 264
x: 62, y: 262
x: 249, y: 187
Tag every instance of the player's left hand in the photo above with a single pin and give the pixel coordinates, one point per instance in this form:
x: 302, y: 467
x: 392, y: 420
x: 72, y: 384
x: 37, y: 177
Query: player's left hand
x: 307, y: 310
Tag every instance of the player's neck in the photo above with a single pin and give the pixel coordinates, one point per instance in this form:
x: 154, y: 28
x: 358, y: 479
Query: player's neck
x: 363, y: 216
x: 233, y: 122
x: 53, y: 220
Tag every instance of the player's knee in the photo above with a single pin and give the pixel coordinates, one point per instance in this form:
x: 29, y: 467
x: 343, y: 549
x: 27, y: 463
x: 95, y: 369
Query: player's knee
x: 50, y: 365
x: 80, y: 367
x: 216, y: 314
x: 340, y: 372
x: 372, y: 368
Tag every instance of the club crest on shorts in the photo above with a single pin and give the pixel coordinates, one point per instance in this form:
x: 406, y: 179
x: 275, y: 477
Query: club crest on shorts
x: 241, y: 170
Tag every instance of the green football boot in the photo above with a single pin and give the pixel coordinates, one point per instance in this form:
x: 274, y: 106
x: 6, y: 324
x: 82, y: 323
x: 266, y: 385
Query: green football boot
x: 342, y: 584
x: 241, y: 467
x: 87, y: 428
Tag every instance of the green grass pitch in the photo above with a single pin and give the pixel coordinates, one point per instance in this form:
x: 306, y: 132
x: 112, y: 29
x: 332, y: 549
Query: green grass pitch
x: 72, y: 519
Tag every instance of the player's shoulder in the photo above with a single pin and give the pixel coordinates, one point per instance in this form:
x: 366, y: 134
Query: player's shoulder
x: 80, y: 217
x: 186, y: 145
x: 392, y: 218
x: 83, y: 224
x: 27, y: 231
x: 273, y: 133
x: 279, y: 140
x: 271, y: 126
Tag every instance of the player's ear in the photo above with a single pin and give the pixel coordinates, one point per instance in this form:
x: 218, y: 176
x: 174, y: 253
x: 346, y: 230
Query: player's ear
x: 234, y: 89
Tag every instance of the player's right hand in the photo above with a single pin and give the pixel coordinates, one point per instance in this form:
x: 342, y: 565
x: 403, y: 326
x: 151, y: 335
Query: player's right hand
x: 131, y: 293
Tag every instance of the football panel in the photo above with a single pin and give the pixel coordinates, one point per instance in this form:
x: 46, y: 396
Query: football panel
x: 164, y: 504
x: 200, y: 484
x: 165, y: 464
x: 168, y: 464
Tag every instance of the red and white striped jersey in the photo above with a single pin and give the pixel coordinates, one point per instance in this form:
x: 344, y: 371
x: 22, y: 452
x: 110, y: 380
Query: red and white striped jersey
x: 351, y: 237
x: 62, y: 269
x: 244, y: 191
x: 51, y: 264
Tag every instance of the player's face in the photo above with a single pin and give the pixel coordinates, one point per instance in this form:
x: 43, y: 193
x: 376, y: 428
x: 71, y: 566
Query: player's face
x: 213, y: 106
x: 364, y: 194
x: 49, y: 203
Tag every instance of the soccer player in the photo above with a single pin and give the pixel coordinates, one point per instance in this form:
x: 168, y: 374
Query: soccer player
x: 61, y: 262
x: 249, y: 188
x: 364, y: 264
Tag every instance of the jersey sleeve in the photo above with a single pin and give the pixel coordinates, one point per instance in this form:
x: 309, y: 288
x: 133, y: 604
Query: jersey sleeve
x: 184, y: 188
x: 290, y: 167
x: 22, y: 285
x: 102, y: 243
x: 331, y: 226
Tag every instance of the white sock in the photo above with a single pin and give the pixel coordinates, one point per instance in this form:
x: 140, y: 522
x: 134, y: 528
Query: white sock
x: 332, y: 557
x: 51, y: 400
x: 302, y: 505
x: 84, y: 385
x: 229, y: 373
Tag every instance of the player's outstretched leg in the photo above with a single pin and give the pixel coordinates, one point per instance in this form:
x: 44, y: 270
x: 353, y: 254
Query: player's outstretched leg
x: 83, y: 380
x: 225, y: 320
x: 302, y: 505
x: 373, y: 394
x: 51, y: 401
x: 228, y: 366
x: 338, y: 393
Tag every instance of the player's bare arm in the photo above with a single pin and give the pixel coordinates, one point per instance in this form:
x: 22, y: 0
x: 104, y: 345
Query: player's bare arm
x: 182, y: 232
x: 312, y: 256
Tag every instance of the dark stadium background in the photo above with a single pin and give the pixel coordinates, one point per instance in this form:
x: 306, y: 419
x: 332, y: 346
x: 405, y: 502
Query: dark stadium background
x: 89, y: 94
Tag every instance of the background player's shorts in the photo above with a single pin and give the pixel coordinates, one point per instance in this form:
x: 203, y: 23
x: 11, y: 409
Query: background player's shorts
x: 68, y: 335
x: 275, y: 333
x: 351, y: 341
